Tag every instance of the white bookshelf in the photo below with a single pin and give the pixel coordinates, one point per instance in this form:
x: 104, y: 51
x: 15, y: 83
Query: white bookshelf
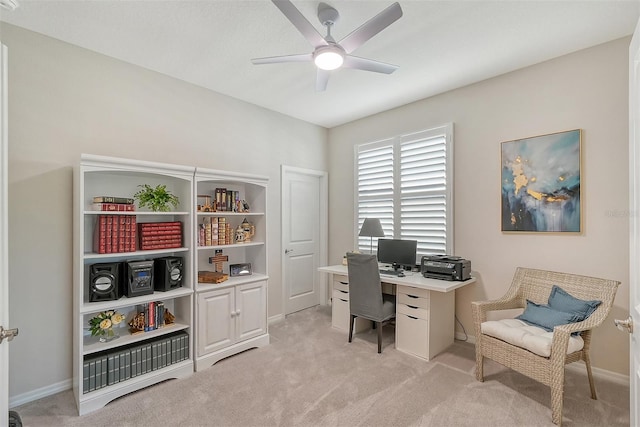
x: 231, y: 316
x: 100, y: 176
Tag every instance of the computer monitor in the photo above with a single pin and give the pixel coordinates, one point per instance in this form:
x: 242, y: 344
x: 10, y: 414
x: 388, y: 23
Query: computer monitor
x: 399, y: 253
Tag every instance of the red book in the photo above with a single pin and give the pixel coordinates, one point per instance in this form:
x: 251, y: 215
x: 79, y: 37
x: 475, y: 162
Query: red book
x: 152, y: 317
x: 99, y: 235
x: 113, y: 207
x: 134, y: 231
x: 108, y: 236
x: 121, y: 232
x: 114, y: 233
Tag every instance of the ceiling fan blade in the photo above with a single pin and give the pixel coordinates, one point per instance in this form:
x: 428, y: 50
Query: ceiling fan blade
x: 321, y: 80
x: 302, y: 57
x: 371, y: 28
x: 300, y: 22
x: 351, y: 61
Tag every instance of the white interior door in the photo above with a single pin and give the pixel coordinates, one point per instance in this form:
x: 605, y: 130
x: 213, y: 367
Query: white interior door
x: 4, y: 237
x: 634, y: 205
x: 304, y: 219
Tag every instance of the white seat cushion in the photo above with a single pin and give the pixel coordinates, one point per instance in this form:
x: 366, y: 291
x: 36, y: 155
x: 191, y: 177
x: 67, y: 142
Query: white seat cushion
x: 524, y: 335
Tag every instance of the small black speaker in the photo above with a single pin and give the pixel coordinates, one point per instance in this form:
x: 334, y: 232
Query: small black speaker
x: 139, y: 279
x: 105, y: 282
x: 168, y: 273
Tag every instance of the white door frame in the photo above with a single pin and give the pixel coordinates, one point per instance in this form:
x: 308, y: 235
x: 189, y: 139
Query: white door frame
x: 634, y: 225
x: 4, y: 235
x: 324, y: 227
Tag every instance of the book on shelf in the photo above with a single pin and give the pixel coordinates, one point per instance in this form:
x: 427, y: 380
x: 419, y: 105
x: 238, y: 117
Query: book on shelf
x: 160, y: 235
x: 113, y: 207
x: 114, y: 234
x: 113, y: 199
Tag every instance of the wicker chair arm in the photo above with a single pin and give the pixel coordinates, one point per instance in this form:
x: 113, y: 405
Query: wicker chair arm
x: 497, y: 304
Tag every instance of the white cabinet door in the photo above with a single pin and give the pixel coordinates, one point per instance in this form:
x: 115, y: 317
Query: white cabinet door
x: 216, y: 320
x: 251, y: 316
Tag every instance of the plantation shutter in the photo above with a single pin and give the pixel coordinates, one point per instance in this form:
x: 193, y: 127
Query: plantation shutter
x: 375, y: 190
x: 406, y: 182
x: 423, y: 193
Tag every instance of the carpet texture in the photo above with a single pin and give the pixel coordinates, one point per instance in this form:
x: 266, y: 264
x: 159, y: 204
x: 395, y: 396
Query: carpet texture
x: 311, y: 376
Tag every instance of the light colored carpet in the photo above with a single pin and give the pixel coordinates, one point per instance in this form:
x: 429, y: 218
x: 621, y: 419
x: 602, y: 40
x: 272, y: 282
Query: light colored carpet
x: 311, y: 376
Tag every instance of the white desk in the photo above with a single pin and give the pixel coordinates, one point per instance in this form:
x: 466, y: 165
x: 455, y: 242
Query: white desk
x: 425, y: 310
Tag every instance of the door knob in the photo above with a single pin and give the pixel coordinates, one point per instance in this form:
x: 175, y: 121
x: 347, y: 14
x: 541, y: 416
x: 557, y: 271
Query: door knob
x: 9, y: 334
x: 624, y: 325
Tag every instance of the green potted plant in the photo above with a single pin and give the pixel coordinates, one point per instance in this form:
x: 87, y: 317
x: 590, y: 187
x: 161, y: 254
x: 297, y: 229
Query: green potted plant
x: 157, y: 199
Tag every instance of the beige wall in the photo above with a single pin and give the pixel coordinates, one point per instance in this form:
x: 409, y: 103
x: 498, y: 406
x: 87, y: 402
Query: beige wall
x: 586, y: 90
x: 63, y: 101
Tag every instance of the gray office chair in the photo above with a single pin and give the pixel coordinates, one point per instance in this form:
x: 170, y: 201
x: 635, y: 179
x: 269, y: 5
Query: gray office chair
x: 365, y: 294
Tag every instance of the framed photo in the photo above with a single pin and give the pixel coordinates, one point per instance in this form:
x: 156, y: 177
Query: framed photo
x: 541, y: 183
x: 240, y: 269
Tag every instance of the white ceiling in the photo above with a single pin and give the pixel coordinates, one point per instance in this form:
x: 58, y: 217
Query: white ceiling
x: 438, y: 45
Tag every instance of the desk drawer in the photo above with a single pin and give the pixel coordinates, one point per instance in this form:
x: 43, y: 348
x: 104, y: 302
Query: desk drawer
x: 412, y: 336
x: 340, y: 311
x: 416, y: 292
x: 341, y: 286
x: 343, y: 295
x: 340, y: 314
x: 413, y: 301
x: 412, y: 310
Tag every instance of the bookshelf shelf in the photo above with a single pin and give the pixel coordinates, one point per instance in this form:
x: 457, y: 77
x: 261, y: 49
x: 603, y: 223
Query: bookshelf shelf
x: 231, y: 214
x: 95, y: 307
x: 136, y: 213
x: 101, y: 280
x: 94, y: 400
x: 93, y: 255
x: 92, y: 345
x: 234, y: 245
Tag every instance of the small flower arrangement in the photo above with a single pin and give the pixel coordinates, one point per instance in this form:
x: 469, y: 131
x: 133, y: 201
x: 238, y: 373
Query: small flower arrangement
x: 104, y: 322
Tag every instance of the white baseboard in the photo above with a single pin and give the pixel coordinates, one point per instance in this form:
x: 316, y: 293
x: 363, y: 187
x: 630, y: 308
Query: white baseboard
x: 39, y: 393
x: 574, y: 367
x: 275, y: 319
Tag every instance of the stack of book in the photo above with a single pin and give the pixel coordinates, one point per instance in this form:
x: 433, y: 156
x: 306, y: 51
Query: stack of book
x: 113, y: 204
x: 153, y: 315
x: 115, y: 366
x: 226, y: 200
x: 215, y: 231
x: 160, y: 235
x: 114, y: 233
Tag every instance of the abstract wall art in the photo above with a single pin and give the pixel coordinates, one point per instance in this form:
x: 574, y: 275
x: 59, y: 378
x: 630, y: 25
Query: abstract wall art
x: 540, y: 185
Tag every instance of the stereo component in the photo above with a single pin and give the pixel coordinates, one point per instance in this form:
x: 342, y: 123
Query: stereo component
x: 139, y: 278
x: 105, y: 282
x: 168, y: 273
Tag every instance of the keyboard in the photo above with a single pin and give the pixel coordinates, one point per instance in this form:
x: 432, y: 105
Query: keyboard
x: 391, y: 272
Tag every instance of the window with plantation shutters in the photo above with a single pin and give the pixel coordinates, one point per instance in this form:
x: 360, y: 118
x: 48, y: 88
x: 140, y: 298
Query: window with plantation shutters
x: 407, y: 183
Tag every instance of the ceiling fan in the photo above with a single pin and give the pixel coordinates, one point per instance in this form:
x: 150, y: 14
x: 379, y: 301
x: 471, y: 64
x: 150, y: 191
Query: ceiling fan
x: 328, y: 54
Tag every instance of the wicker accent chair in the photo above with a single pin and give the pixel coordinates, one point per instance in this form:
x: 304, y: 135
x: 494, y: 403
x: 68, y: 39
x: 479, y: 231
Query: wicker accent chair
x: 535, y: 285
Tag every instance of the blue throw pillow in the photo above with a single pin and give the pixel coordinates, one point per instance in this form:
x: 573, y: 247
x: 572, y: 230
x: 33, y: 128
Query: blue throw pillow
x: 561, y: 300
x: 546, y: 317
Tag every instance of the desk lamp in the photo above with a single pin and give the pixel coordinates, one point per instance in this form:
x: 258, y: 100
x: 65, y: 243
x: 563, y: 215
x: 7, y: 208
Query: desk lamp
x: 371, y: 228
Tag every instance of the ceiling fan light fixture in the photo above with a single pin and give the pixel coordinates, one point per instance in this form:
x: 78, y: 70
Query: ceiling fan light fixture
x: 328, y: 58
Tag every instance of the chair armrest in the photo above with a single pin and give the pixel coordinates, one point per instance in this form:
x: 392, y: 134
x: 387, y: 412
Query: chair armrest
x: 504, y: 303
x: 561, y: 333
x: 480, y: 309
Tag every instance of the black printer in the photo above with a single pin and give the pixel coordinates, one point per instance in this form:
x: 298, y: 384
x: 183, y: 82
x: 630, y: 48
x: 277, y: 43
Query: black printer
x: 445, y: 267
